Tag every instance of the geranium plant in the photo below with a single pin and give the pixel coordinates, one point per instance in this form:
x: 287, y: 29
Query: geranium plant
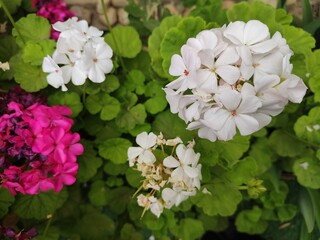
x: 201, y: 126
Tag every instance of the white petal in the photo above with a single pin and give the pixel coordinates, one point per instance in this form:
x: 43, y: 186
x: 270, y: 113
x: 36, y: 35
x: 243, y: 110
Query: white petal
x: 263, y: 47
x: 134, y: 152
x: 207, y: 58
x: 216, y: 118
x: 96, y: 75
x: 49, y: 65
x: 190, y: 172
x: 207, y: 81
x: 180, y: 151
x: 255, y: 31
x: 228, y: 73
x: 55, y: 80
x: 177, y: 66
x: 227, y: 57
x: 249, y: 104
x: 263, y: 119
x: 228, y: 131
x: 207, y: 133
x: 208, y: 39
x: 147, y: 157
x: 190, y: 58
x: 234, y: 32
x: 78, y: 76
x: 142, y: 140
x: 246, y: 124
x: 230, y: 99
x: 171, y: 162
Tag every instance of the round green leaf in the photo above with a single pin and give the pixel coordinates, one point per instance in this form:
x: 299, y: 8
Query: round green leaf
x: 249, y: 221
x: 6, y: 199
x: 115, y: 149
x: 307, y: 172
x: 99, y: 193
x: 125, y: 41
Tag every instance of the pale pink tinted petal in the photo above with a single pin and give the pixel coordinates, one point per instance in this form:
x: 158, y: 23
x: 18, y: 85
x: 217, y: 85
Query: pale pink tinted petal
x: 255, y: 31
x: 171, y: 162
x: 246, y: 124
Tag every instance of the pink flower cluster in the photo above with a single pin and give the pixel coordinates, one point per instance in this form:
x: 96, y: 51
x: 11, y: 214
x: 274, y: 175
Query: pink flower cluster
x: 54, y: 11
x: 38, y: 152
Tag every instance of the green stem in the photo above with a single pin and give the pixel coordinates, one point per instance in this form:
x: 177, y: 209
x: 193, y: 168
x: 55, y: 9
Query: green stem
x: 47, y: 227
x: 104, y: 8
x: 5, y: 9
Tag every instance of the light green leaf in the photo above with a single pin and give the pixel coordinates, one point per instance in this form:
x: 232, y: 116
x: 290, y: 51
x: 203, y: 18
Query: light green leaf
x: 176, y: 37
x: 34, y: 52
x: 8, y: 48
x: 128, y: 43
x: 6, y: 200
x: 285, y: 144
x: 298, y: 40
x: 115, y: 149
x: 157, y: 103
x: 154, y: 43
x: 209, y: 154
x: 70, y: 99
x: 52, y: 233
x: 115, y: 169
x: 275, y: 197
x: 306, y: 208
x: 214, y: 223
x: 133, y: 177
x: 109, y: 106
x: 31, y: 78
x: 129, y: 118
x: 26, y: 26
x: 283, y: 17
x: 242, y: 171
x: 307, y: 127
x: 119, y: 198
x: 39, y: 206
x: 223, y: 200
x: 12, y: 5
x: 307, y: 171
x: 262, y: 154
x: 249, y: 221
x: 189, y: 229
x: 145, y: 127
x: 135, y: 82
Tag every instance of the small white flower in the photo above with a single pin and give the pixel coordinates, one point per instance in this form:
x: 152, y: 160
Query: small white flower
x: 4, y: 66
x: 172, y: 197
x: 156, y: 206
x: 55, y: 77
x: 97, y: 61
x: 173, y: 142
x: 146, y: 142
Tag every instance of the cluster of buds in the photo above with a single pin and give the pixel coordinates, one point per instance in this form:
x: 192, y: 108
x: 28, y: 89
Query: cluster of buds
x: 170, y: 178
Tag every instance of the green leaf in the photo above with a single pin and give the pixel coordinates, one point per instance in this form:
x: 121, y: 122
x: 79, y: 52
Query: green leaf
x: 115, y: 169
x: 70, y: 99
x: 109, y: 85
x: 128, y: 232
x: 209, y: 154
x: 176, y: 37
x: 307, y: 127
x: 12, y: 5
x: 31, y: 78
x: 242, y: 171
x: 129, y: 118
x: 119, y: 198
x: 26, y: 26
x: 94, y: 226
x: 128, y: 43
x: 158, y: 102
x: 223, y: 200
x: 306, y: 209
x: 52, y: 233
x: 298, y: 40
x: 284, y: 144
x: 135, y: 82
x: 315, y: 196
x: 275, y: 197
x: 286, y: 212
x: 189, y: 229
x: 6, y: 200
x: 88, y: 163
x: 154, y: 43
x: 283, y: 17
x: 108, y: 106
x: 307, y: 171
x: 115, y: 149
x: 39, y: 206
x: 34, y: 52
x: 145, y: 127
x: 133, y: 177
x: 176, y: 128
x: 262, y: 153
x: 249, y: 221
x: 99, y: 194
x: 214, y: 223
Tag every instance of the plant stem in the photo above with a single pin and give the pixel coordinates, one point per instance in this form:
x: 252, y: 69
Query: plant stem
x: 5, y: 9
x: 47, y: 227
x: 104, y: 8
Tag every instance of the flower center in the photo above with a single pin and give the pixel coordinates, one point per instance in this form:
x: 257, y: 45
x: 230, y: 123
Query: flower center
x: 234, y: 113
x: 95, y: 60
x: 186, y: 72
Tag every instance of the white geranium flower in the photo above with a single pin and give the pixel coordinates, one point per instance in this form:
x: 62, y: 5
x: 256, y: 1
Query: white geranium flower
x: 146, y: 142
x: 97, y: 61
x: 203, y: 41
x: 55, y: 77
x: 293, y: 88
x: 4, y: 66
x: 186, y: 157
x: 72, y: 69
x: 156, y: 206
x: 172, y: 197
x: 184, y: 66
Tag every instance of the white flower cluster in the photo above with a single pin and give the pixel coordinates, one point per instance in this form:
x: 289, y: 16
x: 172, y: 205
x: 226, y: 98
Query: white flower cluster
x: 81, y: 52
x: 170, y: 178
x: 234, y: 77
